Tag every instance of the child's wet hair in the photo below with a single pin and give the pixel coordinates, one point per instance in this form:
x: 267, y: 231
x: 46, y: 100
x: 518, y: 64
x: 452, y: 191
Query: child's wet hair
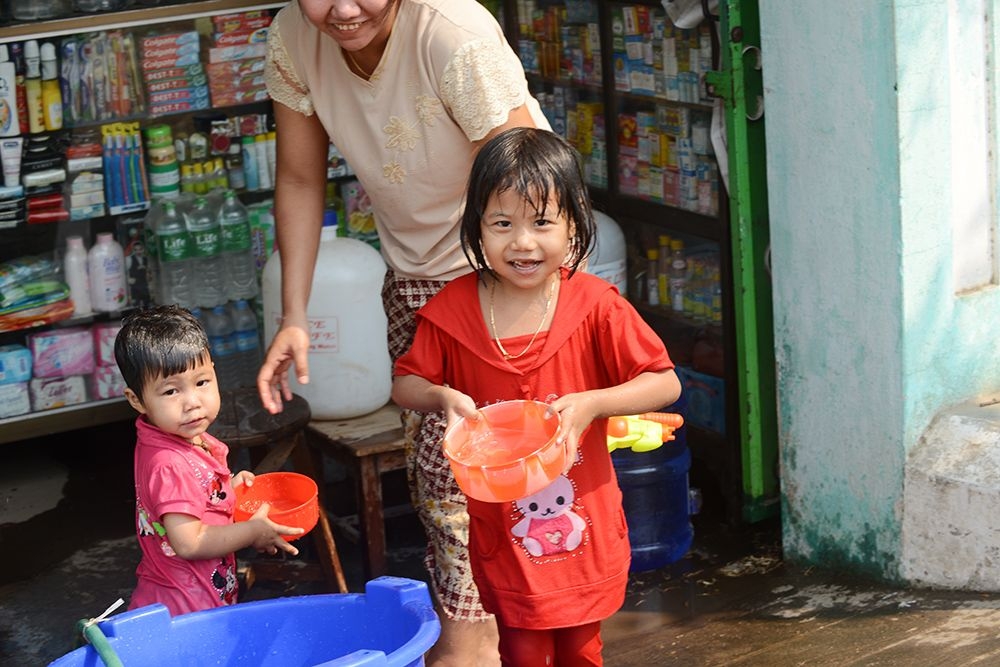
x: 536, y: 164
x: 159, y: 342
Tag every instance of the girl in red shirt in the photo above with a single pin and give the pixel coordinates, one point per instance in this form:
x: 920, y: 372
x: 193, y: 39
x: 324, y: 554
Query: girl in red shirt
x: 527, y: 325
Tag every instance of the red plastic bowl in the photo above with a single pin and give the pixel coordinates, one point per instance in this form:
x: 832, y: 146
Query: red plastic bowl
x: 510, y: 453
x: 294, y: 500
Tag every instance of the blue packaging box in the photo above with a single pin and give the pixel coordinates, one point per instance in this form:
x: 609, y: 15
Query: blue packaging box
x: 706, y: 397
x: 15, y: 364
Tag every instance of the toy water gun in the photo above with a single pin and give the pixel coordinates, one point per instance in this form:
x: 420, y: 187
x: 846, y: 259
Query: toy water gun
x: 642, y: 433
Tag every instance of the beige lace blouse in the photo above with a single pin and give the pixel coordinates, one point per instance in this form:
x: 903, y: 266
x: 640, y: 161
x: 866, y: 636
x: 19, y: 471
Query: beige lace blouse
x: 446, y: 79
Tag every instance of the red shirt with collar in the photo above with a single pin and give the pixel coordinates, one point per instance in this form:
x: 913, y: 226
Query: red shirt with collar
x: 569, y: 567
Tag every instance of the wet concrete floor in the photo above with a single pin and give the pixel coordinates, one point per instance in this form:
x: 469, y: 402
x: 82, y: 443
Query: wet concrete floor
x: 67, y: 552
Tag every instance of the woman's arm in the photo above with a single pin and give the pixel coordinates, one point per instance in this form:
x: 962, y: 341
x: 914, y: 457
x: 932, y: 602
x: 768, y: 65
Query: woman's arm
x: 299, y: 198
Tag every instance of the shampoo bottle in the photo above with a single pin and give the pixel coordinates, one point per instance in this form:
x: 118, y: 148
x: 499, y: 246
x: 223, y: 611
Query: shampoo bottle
x: 106, y: 264
x: 52, y: 103
x: 33, y: 87
x: 10, y: 124
x: 77, y: 275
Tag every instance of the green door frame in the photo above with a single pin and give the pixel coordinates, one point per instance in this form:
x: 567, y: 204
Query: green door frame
x: 739, y: 83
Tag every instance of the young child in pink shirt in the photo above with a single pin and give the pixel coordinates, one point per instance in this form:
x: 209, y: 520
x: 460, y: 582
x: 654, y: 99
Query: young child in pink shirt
x: 183, y: 486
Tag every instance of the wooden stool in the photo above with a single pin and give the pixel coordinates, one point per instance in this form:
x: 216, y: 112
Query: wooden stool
x: 243, y: 423
x: 368, y: 446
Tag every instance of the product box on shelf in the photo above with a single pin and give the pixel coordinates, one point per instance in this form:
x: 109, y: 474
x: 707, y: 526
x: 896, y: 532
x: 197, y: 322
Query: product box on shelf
x: 62, y: 352
x: 104, y: 334
x: 706, y: 399
x: 49, y: 393
x: 15, y: 364
x: 14, y: 399
x: 236, y: 60
x: 106, y: 382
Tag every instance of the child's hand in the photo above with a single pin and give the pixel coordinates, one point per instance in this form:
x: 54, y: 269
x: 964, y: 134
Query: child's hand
x: 243, y: 477
x: 457, y: 405
x: 269, y: 537
x: 575, y: 415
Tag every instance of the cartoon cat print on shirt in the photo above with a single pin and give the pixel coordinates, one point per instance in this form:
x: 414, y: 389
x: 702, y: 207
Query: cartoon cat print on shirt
x: 550, y: 526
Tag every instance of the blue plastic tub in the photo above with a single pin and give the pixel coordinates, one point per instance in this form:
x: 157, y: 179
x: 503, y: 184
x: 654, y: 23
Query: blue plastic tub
x: 393, y: 623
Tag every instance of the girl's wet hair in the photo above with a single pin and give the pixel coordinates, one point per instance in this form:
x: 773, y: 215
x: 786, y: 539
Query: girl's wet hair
x: 536, y: 164
x: 159, y: 342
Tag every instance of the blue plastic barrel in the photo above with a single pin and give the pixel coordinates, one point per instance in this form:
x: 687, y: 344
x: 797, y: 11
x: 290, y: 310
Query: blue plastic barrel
x: 656, y: 498
x: 393, y: 623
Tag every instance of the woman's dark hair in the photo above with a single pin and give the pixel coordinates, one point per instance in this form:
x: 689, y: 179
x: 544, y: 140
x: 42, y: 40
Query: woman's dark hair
x: 159, y: 342
x: 535, y: 163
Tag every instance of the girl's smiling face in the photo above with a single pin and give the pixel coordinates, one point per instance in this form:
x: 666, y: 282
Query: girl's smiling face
x: 524, y: 243
x: 184, y: 404
x: 354, y: 24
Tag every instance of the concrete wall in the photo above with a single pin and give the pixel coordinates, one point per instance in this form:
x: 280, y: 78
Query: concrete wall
x: 869, y: 106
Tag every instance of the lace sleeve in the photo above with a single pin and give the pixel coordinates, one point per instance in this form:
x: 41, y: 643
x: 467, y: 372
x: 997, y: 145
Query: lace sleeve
x: 283, y: 85
x: 482, y: 83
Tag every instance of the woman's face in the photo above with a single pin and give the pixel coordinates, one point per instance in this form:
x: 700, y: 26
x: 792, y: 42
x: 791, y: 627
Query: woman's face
x: 354, y: 24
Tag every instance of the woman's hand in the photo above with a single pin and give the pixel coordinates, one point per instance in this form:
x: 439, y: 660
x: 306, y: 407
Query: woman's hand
x: 290, y: 347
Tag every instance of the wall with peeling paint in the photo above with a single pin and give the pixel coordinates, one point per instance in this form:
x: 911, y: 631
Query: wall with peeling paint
x: 866, y: 105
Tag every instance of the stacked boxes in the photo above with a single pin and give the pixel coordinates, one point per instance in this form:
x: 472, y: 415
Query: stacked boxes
x: 106, y: 380
x: 236, y: 58
x: 174, y: 75
x: 15, y: 372
x: 653, y: 57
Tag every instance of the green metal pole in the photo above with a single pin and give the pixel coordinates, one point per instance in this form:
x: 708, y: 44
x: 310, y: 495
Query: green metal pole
x: 740, y: 84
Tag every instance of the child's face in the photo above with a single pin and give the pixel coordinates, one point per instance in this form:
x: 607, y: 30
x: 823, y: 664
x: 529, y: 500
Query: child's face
x: 184, y: 404
x: 522, y: 246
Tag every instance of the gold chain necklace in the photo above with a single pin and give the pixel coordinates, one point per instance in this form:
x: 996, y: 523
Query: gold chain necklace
x: 493, y: 324
x: 365, y: 73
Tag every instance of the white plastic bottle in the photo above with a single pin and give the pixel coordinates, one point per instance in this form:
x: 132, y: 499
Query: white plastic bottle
x: 247, y: 340
x: 608, y: 259
x: 77, y: 275
x: 222, y: 342
x: 173, y: 252
x: 678, y: 275
x: 237, y: 250
x: 350, y: 373
x: 106, y: 265
x: 206, y: 253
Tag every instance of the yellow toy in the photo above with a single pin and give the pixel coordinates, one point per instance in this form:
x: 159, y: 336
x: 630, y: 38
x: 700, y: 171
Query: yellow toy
x: 642, y: 433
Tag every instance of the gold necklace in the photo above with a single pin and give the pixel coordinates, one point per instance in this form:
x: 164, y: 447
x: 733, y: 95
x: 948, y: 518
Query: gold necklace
x: 365, y: 73
x: 493, y: 324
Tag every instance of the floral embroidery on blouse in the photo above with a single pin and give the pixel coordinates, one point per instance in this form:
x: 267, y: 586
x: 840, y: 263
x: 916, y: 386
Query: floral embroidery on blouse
x: 402, y: 136
x: 394, y: 172
x: 428, y: 109
x: 283, y: 85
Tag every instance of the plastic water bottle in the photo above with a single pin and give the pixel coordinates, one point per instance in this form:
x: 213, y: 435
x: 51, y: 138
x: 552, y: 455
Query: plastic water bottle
x: 222, y: 342
x: 106, y: 266
x: 77, y: 275
x: 237, y: 254
x: 208, y: 272
x: 247, y: 342
x: 349, y: 367
x: 174, y: 253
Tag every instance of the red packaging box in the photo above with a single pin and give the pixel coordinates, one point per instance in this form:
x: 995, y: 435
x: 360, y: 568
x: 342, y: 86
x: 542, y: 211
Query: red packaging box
x: 258, y: 36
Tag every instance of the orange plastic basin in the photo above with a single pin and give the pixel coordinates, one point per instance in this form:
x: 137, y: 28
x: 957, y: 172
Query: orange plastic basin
x: 294, y: 500
x: 510, y: 453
